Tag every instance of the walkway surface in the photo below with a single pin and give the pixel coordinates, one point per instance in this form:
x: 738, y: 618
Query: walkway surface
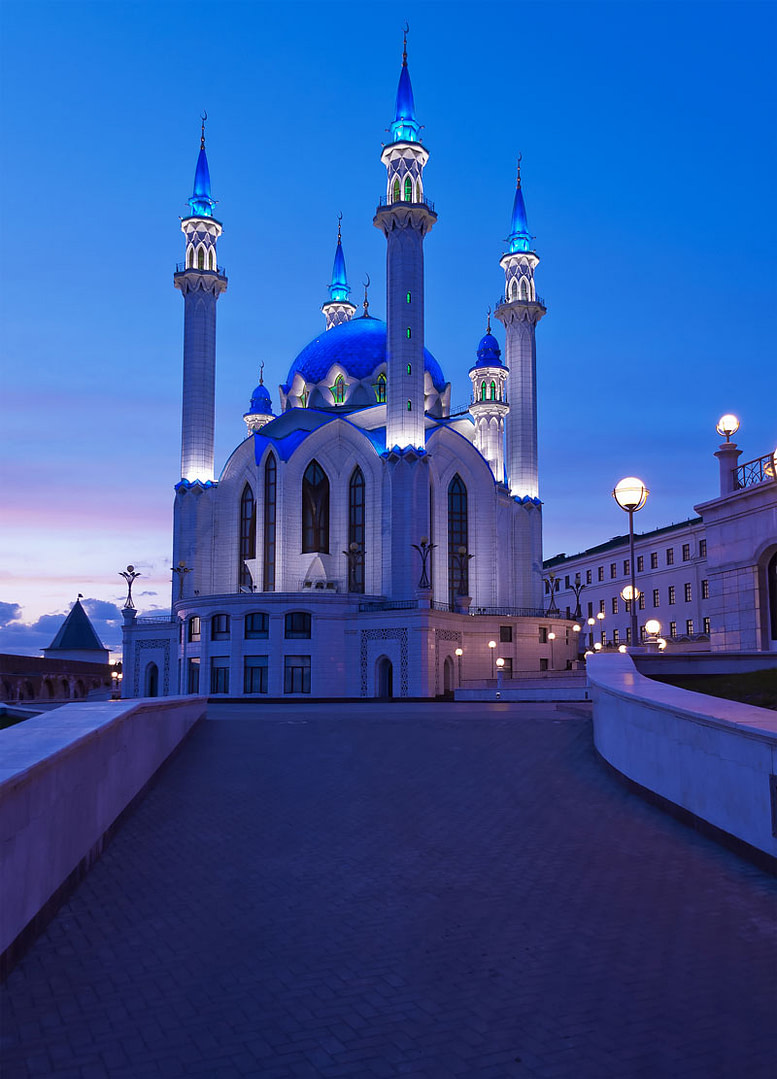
x: 401, y: 890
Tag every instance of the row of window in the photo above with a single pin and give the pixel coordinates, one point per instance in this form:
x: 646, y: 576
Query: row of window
x: 671, y: 598
x: 668, y: 554
x: 296, y: 674
x: 340, y: 386
x: 397, y: 189
x: 201, y: 259
x: 495, y: 393
x: 256, y: 626
x: 671, y: 632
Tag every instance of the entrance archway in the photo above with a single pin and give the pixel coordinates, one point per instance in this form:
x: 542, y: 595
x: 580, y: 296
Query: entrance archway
x: 152, y: 681
x: 771, y: 602
x: 384, y: 678
x: 447, y: 677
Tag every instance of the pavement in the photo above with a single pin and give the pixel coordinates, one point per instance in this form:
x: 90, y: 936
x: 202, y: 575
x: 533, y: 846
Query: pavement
x: 385, y: 889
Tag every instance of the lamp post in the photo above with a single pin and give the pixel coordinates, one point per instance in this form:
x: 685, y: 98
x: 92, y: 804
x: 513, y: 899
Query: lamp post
x: 600, y: 619
x: 630, y: 598
x: 576, y: 629
x: 577, y: 588
x: 180, y: 571
x: 459, y: 654
x: 631, y: 495
x: 129, y: 576
x: 591, y: 622
x: 492, y: 646
x: 550, y: 581
x: 499, y: 671
x: 551, y: 638
x: 424, y: 548
x: 652, y: 630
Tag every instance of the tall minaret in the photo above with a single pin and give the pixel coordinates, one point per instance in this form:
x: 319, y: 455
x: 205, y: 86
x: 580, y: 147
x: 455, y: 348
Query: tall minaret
x: 201, y: 281
x: 338, y: 307
x: 520, y: 312
x: 489, y: 402
x: 405, y: 217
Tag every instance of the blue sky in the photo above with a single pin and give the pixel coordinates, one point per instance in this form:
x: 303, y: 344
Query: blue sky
x: 647, y: 134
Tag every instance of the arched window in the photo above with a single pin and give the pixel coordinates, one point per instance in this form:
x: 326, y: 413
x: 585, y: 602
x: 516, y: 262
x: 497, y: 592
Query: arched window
x: 524, y: 289
x: 396, y: 190
x: 190, y: 260
x: 482, y: 391
x: 338, y: 390
x: 247, y: 545
x: 408, y: 189
x: 418, y: 196
x: 356, y: 531
x: 315, y: 509
x: 380, y: 390
x: 458, y: 569
x: 493, y: 391
x: 210, y: 259
x: 270, y: 489
x: 513, y: 289
x: 201, y: 258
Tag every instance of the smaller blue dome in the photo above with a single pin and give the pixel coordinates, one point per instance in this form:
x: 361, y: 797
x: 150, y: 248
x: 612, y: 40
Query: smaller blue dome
x: 261, y: 402
x: 489, y: 352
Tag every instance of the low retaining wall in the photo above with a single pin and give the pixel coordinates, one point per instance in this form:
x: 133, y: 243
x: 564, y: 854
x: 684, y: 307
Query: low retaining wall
x: 65, y: 777
x: 667, y: 663
x: 711, y: 757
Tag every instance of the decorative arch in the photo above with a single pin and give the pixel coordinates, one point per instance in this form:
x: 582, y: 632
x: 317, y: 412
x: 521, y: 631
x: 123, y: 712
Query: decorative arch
x: 483, y: 390
x: 151, y: 681
x: 418, y: 192
x: 315, y: 509
x: 513, y: 289
x: 408, y: 189
x: 270, y: 500
x: 247, y: 540
x: 525, y: 292
x: 458, y: 537
x: 493, y: 391
x: 211, y: 265
x: 380, y: 389
x: 338, y: 390
x: 356, y: 531
x: 396, y: 197
x: 190, y: 259
x: 200, y: 257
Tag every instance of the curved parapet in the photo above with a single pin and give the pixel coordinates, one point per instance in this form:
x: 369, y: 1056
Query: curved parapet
x: 713, y: 758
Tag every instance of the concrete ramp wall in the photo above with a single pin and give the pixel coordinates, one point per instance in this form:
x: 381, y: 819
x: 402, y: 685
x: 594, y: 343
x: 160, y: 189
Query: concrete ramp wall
x: 714, y: 758
x: 65, y: 777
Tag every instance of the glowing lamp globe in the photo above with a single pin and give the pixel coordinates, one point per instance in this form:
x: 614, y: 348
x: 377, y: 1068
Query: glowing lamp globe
x: 600, y: 615
x: 653, y: 627
x: 661, y: 644
x: 551, y: 637
x: 500, y: 663
x: 598, y: 646
x: 587, y: 653
x: 492, y: 644
x: 630, y: 494
x: 627, y: 593
x: 622, y: 648
x: 591, y: 621
x: 576, y: 628
x: 459, y: 652
x: 727, y: 425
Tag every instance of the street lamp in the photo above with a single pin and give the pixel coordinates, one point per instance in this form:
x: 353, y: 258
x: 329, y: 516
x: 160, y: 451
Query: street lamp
x: 631, y: 495
x: 459, y: 654
x: 652, y: 629
x: 499, y: 671
x: 576, y: 630
x: 591, y: 623
x: 551, y: 638
x: 727, y: 425
x: 600, y: 618
x: 492, y: 646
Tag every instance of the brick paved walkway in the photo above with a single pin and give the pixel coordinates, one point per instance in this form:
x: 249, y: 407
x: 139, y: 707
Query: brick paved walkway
x: 401, y: 891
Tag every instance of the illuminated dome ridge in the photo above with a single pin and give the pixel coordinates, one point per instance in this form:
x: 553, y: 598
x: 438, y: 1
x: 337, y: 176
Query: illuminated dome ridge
x: 359, y: 346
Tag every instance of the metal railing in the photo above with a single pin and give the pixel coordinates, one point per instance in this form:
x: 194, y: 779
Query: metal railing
x: 512, y: 612
x: 384, y: 201
x: 390, y: 605
x: 181, y: 267
x: 757, y: 471
x: 537, y: 299
x: 155, y: 620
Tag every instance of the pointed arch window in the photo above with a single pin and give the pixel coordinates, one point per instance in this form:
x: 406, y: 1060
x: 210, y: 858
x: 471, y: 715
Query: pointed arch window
x: 270, y: 494
x: 315, y: 509
x: 247, y: 546
x: 524, y: 289
x: 190, y: 260
x: 418, y: 196
x: 493, y: 391
x: 380, y: 389
x: 210, y: 259
x: 458, y: 569
x: 513, y: 289
x: 482, y: 391
x: 408, y: 189
x: 338, y: 390
x: 356, y: 531
x: 396, y: 194
x: 201, y: 258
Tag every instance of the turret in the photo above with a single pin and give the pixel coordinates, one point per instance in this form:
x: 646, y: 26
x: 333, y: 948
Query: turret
x: 260, y: 410
x: 489, y: 405
x: 201, y: 281
x: 338, y: 307
x: 520, y: 311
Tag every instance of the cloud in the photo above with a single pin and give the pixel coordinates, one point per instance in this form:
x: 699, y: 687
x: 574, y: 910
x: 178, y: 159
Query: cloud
x: 9, y: 612
x: 29, y: 638
x: 149, y: 593
x: 101, y: 609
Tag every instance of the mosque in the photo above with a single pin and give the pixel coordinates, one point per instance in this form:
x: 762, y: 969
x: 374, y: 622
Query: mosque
x: 364, y: 541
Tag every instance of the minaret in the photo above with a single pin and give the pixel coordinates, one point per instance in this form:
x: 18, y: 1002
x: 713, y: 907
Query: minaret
x: 520, y: 311
x: 489, y: 402
x: 338, y: 308
x: 405, y: 217
x: 260, y: 410
x: 201, y: 282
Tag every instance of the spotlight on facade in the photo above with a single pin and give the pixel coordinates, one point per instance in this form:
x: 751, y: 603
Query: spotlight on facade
x: 727, y: 425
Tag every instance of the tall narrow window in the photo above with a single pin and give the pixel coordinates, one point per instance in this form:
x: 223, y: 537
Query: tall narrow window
x: 408, y: 189
x: 380, y: 390
x: 210, y: 259
x: 356, y: 532
x: 524, y: 289
x: 513, y: 289
x: 493, y: 391
x: 396, y: 197
x: 315, y: 509
x: 418, y: 196
x: 201, y: 258
x: 458, y: 570
x: 270, y: 491
x: 247, y: 546
x: 482, y: 391
x: 338, y: 390
x: 190, y: 260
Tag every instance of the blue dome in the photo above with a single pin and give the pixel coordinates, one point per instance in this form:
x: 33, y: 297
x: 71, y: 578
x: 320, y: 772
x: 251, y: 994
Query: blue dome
x: 261, y: 402
x: 489, y: 352
x: 359, y: 346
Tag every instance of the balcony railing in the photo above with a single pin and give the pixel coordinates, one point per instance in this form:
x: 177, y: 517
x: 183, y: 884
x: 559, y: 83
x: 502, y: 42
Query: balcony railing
x: 181, y: 267
x: 385, y: 201
x: 537, y: 299
x: 390, y: 605
x: 155, y: 620
x: 757, y: 471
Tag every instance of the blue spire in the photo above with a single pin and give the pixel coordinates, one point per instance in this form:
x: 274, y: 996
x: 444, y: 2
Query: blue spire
x: 519, y: 238
x: 201, y: 203
x: 338, y: 289
x: 405, y: 127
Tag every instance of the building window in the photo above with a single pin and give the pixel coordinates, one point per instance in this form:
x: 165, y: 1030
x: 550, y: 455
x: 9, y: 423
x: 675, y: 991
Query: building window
x: 296, y: 674
x: 613, y: 570
x: 615, y: 636
x: 505, y: 634
x: 458, y: 540
x: 247, y: 545
x: 656, y: 597
x: 628, y: 634
x: 219, y: 627
x: 686, y: 552
x: 601, y: 606
x: 672, y: 594
x: 543, y: 659
x: 600, y: 573
x: 670, y: 556
x: 566, y: 581
x: 356, y: 531
x: 193, y: 676
x: 705, y: 589
x: 315, y: 509
x: 641, y: 601
x: 672, y: 629
x: 194, y: 628
x: 614, y: 604
x: 654, y: 559
x: 408, y: 337
x: 257, y: 626
x: 255, y: 674
x: 642, y: 633
x: 219, y: 674
x: 626, y: 567
x: 688, y: 592
x: 338, y: 390
x: 590, y: 609
x: 588, y: 576
x: 603, y: 637
x: 408, y: 297
x: 211, y: 260
x: 408, y: 189
x: 627, y: 604
x: 270, y: 488
x: 380, y: 389
x: 640, y: 563
x: 705, y: 626
x: 409, y: 406
x: 703, y: 548
x: 201, y: 258
x: 543, y: 634
x: 297, y: 626
x: 689, y: 627
x: 493, y: 391
x: 396, y: 194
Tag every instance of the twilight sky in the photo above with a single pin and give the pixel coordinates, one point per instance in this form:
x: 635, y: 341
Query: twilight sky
x: 648, y: 139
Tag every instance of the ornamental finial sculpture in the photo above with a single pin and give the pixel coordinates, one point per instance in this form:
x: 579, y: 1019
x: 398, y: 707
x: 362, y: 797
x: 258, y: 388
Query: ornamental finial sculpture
x: 129, y: 574
x: 180, y: 571
x: 204, y: 117
x: 424, y: 548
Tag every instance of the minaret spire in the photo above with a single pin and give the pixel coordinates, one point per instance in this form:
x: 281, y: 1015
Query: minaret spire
x: 338, y: 307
